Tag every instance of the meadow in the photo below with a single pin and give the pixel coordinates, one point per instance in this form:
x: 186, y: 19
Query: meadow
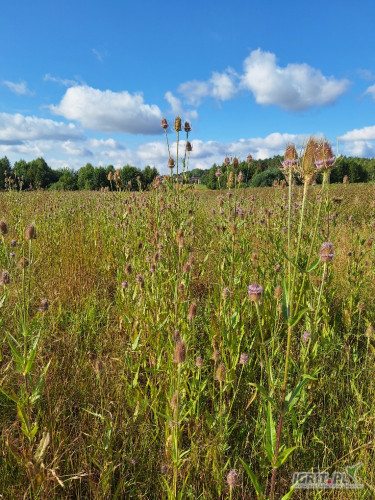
x: 185, y: 343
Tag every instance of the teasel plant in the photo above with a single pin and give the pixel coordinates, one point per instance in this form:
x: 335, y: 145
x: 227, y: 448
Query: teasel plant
x: 24, y: 349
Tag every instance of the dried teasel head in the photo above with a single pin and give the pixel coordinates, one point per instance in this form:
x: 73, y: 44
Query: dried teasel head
x: 30, y: 232
x: 192, y: 311
x: 308, y: 166
x: 179, y: 355
x: 235, y: 162
x: 164, y: 123
x: 324, y: 156
x: 290, y: 159
x: 3, y: 227
x: 221, y: 373
x: 249, y: 158
x: 188, y: 147
x: 171, y: 163
x: 177, y: 124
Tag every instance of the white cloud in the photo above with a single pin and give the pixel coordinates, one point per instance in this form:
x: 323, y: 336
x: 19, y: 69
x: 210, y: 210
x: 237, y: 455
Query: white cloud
x: 177, y: 109
x: 366, y: 74
x: 363, y: 149
x: 295, y: 87
x: 108, y: 111
x: 18, y: 88
x: 360, y: 134
x: 66, y: 82
x: 99, y: 54
x: 17, y: 128
x: 371, y: 90
x: 221, y: 86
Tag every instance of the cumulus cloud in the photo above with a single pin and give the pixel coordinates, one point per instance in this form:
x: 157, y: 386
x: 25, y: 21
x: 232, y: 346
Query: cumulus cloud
x: 221, y: 86
x: 360, y: 134
x: 18, y: 88
x: 176, y: 108
x: 18, y: 129
x: 295, y: 87
x: 371, y: 91
x: 108, y: 111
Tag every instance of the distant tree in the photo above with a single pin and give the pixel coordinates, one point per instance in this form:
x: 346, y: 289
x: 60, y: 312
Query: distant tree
x: 67, y: 180
x: 148, y: 175
x: 130, y: 174
x: 99, y: 178
x: 5, y: 166
x: 267, y: 177
x: 39, y: 174
x: 85, y: 178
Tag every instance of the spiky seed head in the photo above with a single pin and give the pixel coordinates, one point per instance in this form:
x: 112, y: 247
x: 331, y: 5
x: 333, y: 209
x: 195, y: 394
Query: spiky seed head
x: 235, y: 162
x: 244, y: 359
x: 179, y: 352
x: 128, y: 268
x: 227, y: 161
x: 278, y: 292
x: 240, y: 177
x: 176, y: 335
x: 326, y: 252
x: 345, y: 179
x: 4, y: 278
x: 187, y: 127
x: 306, y: 336
x: 179, y: 234
x: 324, y: 157
x: 177, y: 124
x: 13, y: 243
x: 255, y: 292
x: 23, y: 262
x: 187, y: 268
x: 192, y: 311
x: 370, y: 332
x: 171, y: 163
x: 44, y: 305
x: 3, y: 227
x: 199, y: 362
x: 164, y: 123
x: 188, y: 147
x: 30, y: 233
x: 221, y: 373
x: 218, y: 173
x: 109, y: 176
x: 232, y: 479
x: 230, y: 180
x: 308, y: 167
x: 216, y: 355
x: 249, y: 158
x: 225, y: 293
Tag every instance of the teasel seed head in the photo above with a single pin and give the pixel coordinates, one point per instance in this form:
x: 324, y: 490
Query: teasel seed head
x: 13, y: 243
x: 3, y: 227
x: 128, y: 268
x: 171, y: 163
x: 30, y: 233
x: 109, y: 176
x: 278, y: 292
x: 4, y: 278
x: 177, y: 124
x: 164, y: 123
x: 179, y: 352
x: 187, y: 127
x: 249, y: 158
x: 192, y: 311
x: 235, y: 162
x: 216, y: 355
x: 225, y: 293
x: 218, y: 173
x: 44, y: 305
x: 232, y: 478
x: 306, y: 336
x: 227, y: 161
x: 23, y: 262
x: 230, y: 180
x: 199, y: 362
x: 176, y: 335
x: 308, y: 166
x: 324, y: 157
x: 370, y: 332
x: 244, y: 359
x: 188, y: 147
x: 255, y: 292
x: 326, y: 252
x: 221, y: 373
x: 240, y: 177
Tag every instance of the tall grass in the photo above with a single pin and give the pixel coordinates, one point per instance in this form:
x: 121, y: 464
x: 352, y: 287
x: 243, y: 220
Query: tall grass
x: 193, y: 346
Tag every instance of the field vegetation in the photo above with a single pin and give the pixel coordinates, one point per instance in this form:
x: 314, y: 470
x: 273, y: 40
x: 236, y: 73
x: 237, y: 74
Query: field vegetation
x: 187, y: 343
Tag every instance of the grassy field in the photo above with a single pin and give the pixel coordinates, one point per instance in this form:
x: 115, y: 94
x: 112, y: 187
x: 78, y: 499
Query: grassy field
x: 186, y: 344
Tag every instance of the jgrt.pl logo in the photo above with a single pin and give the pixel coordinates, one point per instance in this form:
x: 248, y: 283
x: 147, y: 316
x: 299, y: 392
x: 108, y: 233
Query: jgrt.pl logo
x: 323, y: 481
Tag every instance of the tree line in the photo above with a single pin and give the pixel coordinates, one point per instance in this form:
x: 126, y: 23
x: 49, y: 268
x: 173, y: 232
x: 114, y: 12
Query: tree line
x: 38, y: 174
x: 257, y: 173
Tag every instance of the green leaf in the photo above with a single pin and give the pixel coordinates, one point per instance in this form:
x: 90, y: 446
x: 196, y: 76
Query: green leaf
x: 314, y: 266
x: 289, y: 494
x: 289, y: 401
x: 284, y: 455
x: 262, y: 390
x: 285, y: 300
x: 296, y: 318
x: 135, y: 343
x: 253, y: 478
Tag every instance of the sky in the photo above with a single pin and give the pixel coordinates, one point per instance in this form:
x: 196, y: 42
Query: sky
x: 89, y: 81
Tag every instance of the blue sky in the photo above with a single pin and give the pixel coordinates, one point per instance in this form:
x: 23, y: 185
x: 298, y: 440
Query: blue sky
x: 90, y: 81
